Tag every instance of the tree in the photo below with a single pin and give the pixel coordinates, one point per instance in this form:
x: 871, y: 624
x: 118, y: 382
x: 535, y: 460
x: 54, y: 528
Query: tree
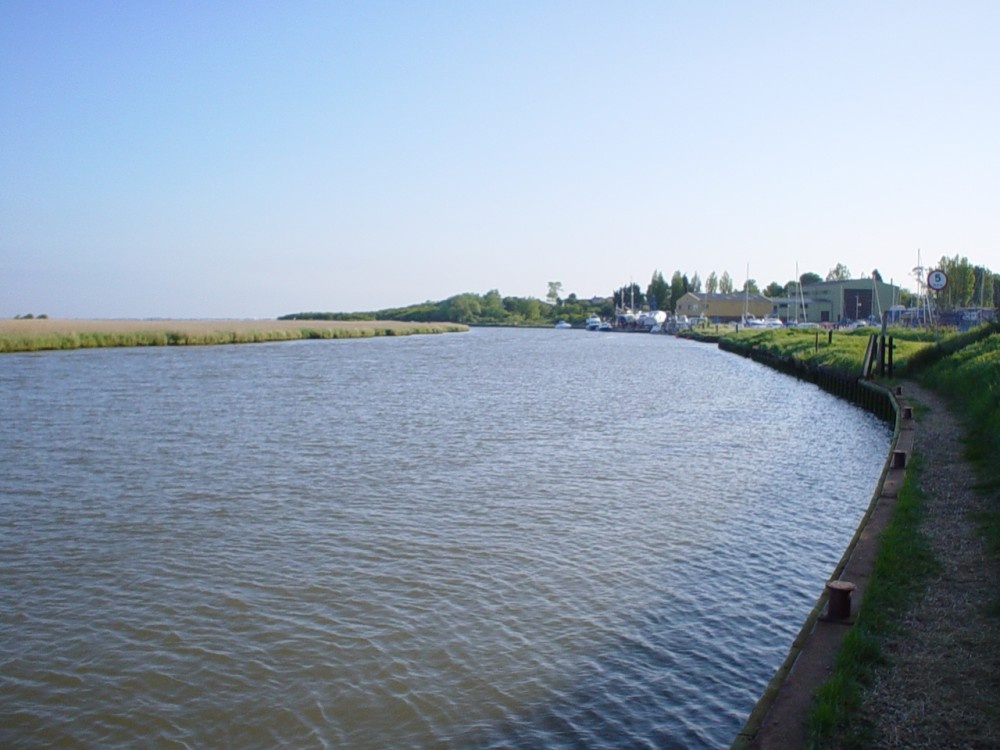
x: 810, y: 278
x: 678, y: 288
x: 750, y: 287
x: 463, y: 308
x: 712, y: 283
x: 961, y: 283
x: 492, y: 307
x: 695, y: 285
x: 983, y: 293
x: 555, y: 289
x: 839, y: 273
x: 726, y: 283
x: 774, y: 289
x: 658, y: 293
x: 525, y: 309
x: 629, y: 296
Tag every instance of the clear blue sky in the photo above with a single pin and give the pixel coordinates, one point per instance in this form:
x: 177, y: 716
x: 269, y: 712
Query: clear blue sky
x: 249, y: 159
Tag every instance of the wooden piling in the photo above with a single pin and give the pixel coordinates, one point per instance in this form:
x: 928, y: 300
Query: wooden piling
x: 839, y: 605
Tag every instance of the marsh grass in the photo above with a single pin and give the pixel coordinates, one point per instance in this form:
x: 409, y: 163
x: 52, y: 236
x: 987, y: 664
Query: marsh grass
x: 903, y: 566
x: 46, y: 334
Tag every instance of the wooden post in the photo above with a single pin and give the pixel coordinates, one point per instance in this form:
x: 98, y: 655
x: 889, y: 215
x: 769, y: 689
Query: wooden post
x: 869, y: 361
x: 839, y: 606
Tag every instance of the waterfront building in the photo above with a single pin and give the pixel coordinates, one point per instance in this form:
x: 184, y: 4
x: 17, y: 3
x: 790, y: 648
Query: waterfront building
x: 836, y: 301
x: 723, y: 308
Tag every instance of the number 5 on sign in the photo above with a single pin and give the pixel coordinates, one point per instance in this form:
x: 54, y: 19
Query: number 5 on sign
x: 937, y: 280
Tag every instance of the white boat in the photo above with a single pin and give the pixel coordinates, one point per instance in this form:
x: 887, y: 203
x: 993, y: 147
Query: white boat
x: 594, y: 322
x: 626, y: 320
x: 648, y: 320
x: 563, y: 324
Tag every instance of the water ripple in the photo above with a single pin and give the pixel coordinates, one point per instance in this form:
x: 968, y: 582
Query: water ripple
x: 505, y: 538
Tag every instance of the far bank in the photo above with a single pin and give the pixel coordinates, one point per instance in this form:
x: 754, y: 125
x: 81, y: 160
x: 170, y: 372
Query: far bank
x: 40, y: 334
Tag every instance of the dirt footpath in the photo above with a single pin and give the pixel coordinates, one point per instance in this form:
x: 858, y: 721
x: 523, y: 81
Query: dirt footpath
x: 941, y: 687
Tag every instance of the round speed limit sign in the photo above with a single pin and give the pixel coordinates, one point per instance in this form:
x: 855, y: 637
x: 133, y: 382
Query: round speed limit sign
x: 937, y: 280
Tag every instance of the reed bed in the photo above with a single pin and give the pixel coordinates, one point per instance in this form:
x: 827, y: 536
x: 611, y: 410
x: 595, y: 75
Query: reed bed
x: 39, y: 334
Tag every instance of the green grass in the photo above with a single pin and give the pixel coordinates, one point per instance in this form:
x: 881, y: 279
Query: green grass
x: 840, y: 350
x: 913, y: 348
x: 903, y: 565
x: 970, y: 378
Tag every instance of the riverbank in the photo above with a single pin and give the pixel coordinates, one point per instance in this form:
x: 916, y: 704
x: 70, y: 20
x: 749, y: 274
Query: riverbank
x: 780, y: 720
x: 938, y: 685
x: 38, y: 334
x: 919, y: 660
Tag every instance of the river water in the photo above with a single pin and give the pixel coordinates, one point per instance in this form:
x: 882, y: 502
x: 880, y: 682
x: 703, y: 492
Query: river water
x: 504, y: 538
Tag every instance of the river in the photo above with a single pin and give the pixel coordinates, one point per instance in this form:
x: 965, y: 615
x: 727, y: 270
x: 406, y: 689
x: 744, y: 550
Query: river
x: 503, y: 538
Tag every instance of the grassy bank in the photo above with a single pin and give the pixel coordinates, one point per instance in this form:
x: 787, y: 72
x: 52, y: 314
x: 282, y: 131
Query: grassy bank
x: 47, y: 334
x: 840, y: 350
x: 963, y: 368
x: 969, y: 378
x: 844, y: 350
x: 903, y: 565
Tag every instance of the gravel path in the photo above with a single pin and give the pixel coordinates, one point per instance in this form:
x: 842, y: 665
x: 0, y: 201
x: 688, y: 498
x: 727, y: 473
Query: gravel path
x: 941, y: 688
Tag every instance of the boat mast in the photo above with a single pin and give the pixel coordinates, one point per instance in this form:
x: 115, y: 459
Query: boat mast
x: 923, y: 298
x: 798, y: 296
x: 746, y: 296
x: 802, y: 298
x: 877, y: 300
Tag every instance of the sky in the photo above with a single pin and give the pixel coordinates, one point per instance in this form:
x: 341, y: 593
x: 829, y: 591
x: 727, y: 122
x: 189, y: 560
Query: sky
x: 251, y: 159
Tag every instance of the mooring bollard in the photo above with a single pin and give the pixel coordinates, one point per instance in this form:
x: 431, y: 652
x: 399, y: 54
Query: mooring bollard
x: 899, y: 459
x: 907, y: 412
x: 899, y: 390
x: 839, y: 607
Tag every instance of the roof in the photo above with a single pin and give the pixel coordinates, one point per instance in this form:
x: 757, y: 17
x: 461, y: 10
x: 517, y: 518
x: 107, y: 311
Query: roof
x: 730, y: 296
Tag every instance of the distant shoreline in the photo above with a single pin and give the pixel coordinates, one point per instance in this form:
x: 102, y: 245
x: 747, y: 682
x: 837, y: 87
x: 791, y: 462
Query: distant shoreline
x: 47, y: 334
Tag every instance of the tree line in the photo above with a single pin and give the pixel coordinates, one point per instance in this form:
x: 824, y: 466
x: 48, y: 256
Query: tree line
x: 660, y: 295
x: 968, y: 286
x: 482, y: 309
